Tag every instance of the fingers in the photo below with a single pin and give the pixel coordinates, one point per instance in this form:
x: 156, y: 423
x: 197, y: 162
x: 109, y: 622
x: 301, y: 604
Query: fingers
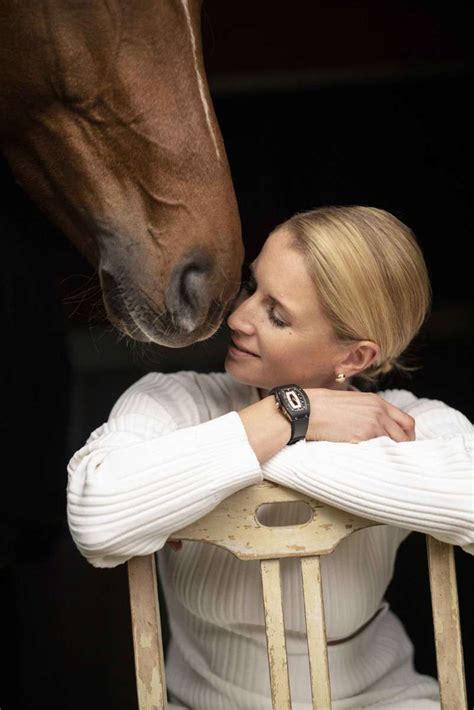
x: 396, y: 432
x: 404, y: 420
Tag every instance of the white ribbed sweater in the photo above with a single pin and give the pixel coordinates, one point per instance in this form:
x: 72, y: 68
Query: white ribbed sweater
x: 174, y: 447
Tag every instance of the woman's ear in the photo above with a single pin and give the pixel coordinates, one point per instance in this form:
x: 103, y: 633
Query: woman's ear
x: 360, y: 357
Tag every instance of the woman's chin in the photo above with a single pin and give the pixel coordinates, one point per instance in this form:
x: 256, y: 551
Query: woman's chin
x: 229, y: 367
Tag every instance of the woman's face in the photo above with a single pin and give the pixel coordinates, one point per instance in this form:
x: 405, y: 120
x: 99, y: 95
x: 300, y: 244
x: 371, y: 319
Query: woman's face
x: 292, y: 341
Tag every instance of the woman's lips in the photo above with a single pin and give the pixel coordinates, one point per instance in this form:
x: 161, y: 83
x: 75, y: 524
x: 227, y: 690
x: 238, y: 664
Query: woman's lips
x: 235, y: 351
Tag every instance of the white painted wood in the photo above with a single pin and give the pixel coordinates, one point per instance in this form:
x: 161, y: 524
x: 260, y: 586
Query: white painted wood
x: 275, y: 631
x: 146, y: 629
x: 446, y: 622
x: 234, y: 526
x: 316, y: 632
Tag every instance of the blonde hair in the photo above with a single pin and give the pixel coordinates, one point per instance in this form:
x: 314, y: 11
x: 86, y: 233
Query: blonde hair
x: 370, y: 277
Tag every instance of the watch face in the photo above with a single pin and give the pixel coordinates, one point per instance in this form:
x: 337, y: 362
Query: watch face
x: 294, y: 400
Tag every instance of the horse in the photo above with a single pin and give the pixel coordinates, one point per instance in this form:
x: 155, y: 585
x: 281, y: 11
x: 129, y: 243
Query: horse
x: 107, y: 123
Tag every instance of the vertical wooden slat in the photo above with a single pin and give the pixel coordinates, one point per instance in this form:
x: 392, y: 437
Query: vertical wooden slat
x: 447, y: 629
x: 275, y: 631
x: 316, y: 632
x: 146, y: 628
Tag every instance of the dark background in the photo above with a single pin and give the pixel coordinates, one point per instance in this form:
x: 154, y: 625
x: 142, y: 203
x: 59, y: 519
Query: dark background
x: 352, y: 103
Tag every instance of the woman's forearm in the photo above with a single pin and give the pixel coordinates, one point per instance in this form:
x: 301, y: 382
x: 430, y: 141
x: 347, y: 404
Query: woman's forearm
x: 267, y: 428
x: 134, y: 483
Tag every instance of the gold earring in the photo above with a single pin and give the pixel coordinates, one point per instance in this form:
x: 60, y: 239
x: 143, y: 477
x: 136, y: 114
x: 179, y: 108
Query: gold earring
x: 340, y: 377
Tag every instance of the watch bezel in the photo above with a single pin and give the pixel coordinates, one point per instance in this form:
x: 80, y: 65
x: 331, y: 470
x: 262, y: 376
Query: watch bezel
x: 283, y: 399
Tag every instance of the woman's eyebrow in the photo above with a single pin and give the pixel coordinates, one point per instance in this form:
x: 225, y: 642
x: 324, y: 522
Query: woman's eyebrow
x: 272, y: 298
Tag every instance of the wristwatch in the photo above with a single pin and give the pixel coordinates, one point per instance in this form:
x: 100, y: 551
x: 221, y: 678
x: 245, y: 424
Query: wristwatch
x: 293, y: 403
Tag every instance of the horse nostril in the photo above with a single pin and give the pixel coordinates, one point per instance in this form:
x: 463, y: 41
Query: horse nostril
x: 186, y: 295
x: 190, y: 283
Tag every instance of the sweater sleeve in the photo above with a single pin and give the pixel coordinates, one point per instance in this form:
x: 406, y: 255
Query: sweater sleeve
x: 424, y: 485
x: 139, y: 477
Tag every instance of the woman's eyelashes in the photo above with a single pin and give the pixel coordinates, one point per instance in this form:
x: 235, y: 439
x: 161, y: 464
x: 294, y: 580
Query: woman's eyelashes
x: 250, y: 286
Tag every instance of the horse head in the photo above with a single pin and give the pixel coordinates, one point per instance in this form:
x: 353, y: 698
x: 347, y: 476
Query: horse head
x: 107, y: 122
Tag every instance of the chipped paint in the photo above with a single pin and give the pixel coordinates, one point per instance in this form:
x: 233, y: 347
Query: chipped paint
x: 146, y: 639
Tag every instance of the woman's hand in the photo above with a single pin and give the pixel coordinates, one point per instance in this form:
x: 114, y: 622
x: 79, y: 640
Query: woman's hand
x: 345, y: 415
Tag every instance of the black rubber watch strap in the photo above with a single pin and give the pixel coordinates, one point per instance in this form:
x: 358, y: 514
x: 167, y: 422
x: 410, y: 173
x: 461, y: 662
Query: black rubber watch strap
x: 299, y: 427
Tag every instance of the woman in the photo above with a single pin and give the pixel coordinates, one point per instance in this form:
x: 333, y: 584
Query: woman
x: 336, y: 293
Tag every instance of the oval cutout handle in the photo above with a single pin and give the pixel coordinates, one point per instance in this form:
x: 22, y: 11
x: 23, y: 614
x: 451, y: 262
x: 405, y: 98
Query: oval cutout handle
x: 283, y: 514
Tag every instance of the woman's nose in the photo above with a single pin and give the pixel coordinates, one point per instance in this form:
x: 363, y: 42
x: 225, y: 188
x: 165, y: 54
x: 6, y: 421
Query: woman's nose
x: 239, y: 319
